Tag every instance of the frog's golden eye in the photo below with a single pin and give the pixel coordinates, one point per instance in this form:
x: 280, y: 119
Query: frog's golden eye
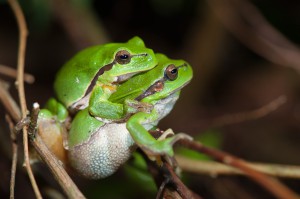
x: 123, y: 57
x: 171, y: 72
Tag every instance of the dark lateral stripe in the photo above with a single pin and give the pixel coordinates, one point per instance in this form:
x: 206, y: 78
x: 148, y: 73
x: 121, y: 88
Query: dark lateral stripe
x: 156, y: 87
x: 100, y: 72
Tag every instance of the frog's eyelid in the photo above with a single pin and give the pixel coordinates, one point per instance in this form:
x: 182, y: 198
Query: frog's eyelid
x: 138, y: 55
x: 183, y: 65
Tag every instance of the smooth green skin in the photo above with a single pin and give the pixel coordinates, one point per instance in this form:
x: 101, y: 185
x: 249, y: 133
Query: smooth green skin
x: 53, y: 110
x: 74, y: 78
x: 56, y: 109
x: 82, y: 128
x: 84, y: 125
x: 135, y: 123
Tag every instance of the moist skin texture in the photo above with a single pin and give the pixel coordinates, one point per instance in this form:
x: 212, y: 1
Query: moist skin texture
x: 105, y: 151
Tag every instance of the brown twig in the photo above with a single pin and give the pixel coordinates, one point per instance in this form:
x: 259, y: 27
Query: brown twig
x: 8, y: 102
x: 54, y: 165
x: 20, y: 82
x: 11, y: 72
x: 215, y: 168
x: 170, y: 185
x: 14, y: 157
x: 243, y: 20
x: 180, y: 186
x: 273, y: 185
x: 250, y: 115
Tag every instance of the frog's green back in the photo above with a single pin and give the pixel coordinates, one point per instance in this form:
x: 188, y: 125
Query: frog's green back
x: 74, y: 78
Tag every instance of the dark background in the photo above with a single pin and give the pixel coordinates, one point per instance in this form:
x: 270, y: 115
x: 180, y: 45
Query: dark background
x: 229, y: 77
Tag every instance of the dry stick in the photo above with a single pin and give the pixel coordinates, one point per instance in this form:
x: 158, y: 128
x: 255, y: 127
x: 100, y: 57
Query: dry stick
x: 166, y: 179
x: 14, y: 157
x: 180, y: 186
x: 54, y: 165
x: 243, y: 20
x: 251, y: 115
x: 8, y: 102
x: 215, y: 168
x: 11, y: 72
x: 59, y: 173
x: 57, y: 169
x: 273, y: 185
x: 20, y: 82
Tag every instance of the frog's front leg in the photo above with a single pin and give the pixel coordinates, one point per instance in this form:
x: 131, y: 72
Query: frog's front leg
x: 57, y: 109
x: 101, y: 107
x: 146, y: 141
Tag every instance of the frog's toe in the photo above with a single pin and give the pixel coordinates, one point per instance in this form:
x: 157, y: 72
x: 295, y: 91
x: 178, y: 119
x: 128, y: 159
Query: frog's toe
x: 159, y: 148
x: 165, y: 134
x: 164, y: 146
x: 180, y: 136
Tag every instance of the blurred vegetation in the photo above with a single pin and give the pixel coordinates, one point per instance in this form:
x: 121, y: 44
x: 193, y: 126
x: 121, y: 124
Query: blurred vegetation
x: 229, y: 77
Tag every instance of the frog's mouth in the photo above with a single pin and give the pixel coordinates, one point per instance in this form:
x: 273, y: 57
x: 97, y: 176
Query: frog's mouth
x: 157, y: 87
x: 123, y: 78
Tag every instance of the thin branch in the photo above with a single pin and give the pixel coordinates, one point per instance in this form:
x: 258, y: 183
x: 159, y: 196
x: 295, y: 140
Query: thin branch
x: 11, y: 72
x: 20, y: 82
x: 250, y: 115
x: 273, y: 185
x: 9, y: 103
x: 54, y: 165
x: 170, y: 185
x: 180, y: 186
x: 14, y: 157
x: 248, y: 25
x: 215, y: 168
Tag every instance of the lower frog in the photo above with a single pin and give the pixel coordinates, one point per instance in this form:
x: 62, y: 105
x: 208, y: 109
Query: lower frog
x: 97, y: 149
x: 52, y: 127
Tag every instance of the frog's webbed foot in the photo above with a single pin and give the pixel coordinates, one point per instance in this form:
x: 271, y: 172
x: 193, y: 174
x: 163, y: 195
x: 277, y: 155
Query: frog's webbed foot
x: 164, y: 145
x: 165, y: 134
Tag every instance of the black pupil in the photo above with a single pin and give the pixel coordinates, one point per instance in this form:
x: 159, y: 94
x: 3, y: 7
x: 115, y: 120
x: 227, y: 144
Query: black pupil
x: 124, y: 56
x: 174, y: 71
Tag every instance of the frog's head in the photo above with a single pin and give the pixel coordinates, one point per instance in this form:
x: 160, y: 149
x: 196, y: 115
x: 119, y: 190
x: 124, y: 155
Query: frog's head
x: 108, y: 63
x: 165, y: 79
x: 126, y: 60
x: 174, y: 75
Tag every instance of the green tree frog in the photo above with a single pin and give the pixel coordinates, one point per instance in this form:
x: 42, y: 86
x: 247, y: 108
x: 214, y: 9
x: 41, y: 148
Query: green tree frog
x: 93, y: 74
x: 97, y: 149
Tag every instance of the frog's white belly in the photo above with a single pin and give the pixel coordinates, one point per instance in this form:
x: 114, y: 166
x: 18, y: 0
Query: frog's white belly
x: 163, y: 107
x: 111, y: 145
x: 104, y: 153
